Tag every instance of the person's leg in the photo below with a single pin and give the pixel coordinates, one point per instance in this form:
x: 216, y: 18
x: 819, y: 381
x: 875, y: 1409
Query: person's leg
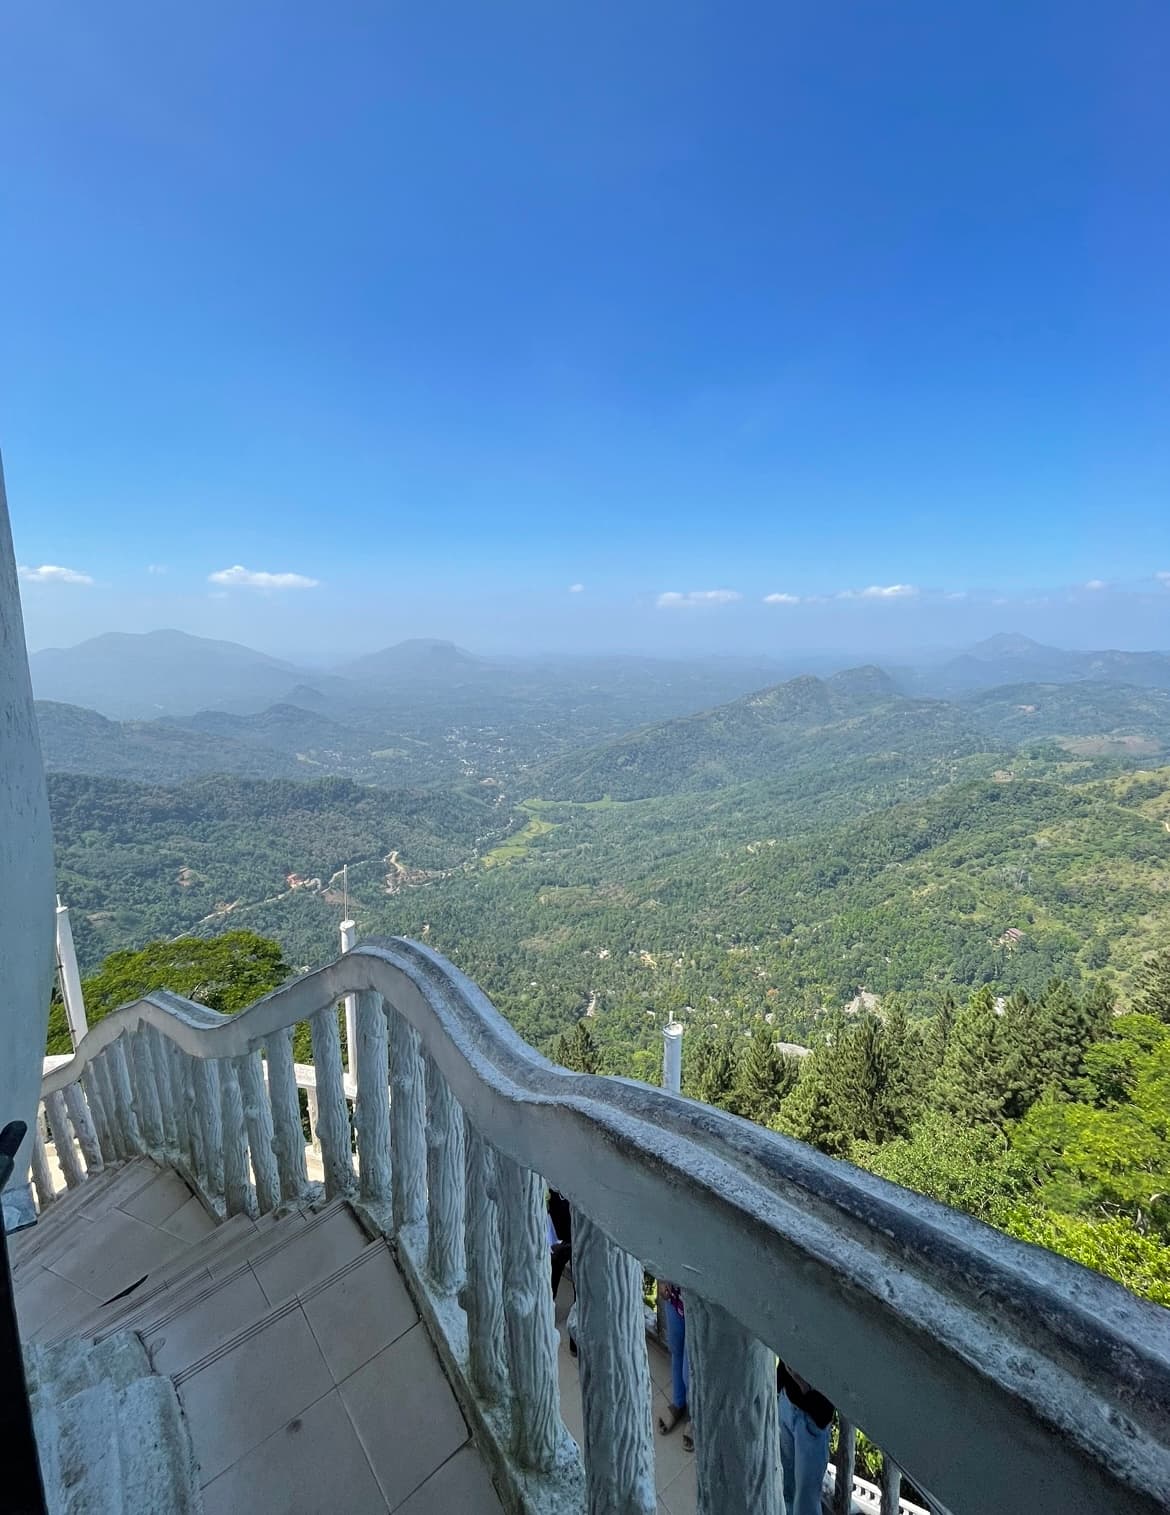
x: 811, y: 1457
x: 676, y: 1341
x: 787, y: 1452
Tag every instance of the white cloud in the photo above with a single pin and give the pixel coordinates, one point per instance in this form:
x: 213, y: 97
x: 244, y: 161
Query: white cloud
x: 576, y: 588
x: 1163, y: 578
x: 781, y: 599
x: 696, y: 598
x: 248, y: 578
x: 52, y: 573
x: 1096, y: 584
x: 157, y: 568
x: 956, y: 594
x: 888, y: 592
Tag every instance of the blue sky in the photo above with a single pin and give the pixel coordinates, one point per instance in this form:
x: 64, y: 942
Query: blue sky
x: 451, y: 307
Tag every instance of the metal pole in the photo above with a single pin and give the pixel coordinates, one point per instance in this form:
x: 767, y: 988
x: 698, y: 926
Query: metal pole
x: 348, y: 937
x: 672, y: 1035
x: 70, y: 977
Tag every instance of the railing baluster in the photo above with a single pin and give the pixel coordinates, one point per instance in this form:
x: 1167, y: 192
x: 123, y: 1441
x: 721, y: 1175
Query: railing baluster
x: 844, y: 1460
x: 105, y: 1066
x: 42, y: 1174
x: 407, y: 1125
x: 372, y: 1109
x: 528, y: 1316
x: 205, y: 1076
x: 120, y: 1063
x: 891, y: 1485
x: 83, y: 1128
x: 733, y: 1405
x: 332, y: 1111
x: 237, y: 1191
x: 444, y: 1182
x: 175, y: 1057
x: 185, y: 1077
x: 615, y: 1375
x: 160, y: 1058
x: 95, y: 1098
x: 67, y: 1158
x: 258, y: 1117
x: 146, y: 1086
x: 288, y: 1137
x: 482, y: 1295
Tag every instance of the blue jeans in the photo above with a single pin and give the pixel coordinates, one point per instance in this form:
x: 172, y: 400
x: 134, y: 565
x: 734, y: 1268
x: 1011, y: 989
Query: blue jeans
x: 676, y: 1340
x: 804, y: 1456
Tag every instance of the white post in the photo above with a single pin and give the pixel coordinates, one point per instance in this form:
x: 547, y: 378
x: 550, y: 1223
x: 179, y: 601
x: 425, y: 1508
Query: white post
x: 26, y: 877
x: 348, y: 938
x: 70, y: 977
x: 672, y: 1035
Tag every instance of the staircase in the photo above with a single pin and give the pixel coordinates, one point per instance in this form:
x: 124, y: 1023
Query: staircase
x: 181, y: 1363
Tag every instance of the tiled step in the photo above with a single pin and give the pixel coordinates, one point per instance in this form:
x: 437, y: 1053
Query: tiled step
x: 202, y: 1267
x: 141, y: 1224
x: 333, y: 1400
x: 288, y: 1262
x: 88, y: 1200
x: 192, y: 1263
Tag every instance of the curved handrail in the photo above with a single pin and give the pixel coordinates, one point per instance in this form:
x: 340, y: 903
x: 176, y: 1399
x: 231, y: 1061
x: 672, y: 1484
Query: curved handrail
x: 890, y: 1302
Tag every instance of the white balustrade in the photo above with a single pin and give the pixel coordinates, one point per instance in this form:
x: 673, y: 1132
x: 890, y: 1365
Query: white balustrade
x: 615, y: 1375
x: 124, y: 1095
x: 333, y: 1130
x: 42, y: 1173
x: 371, y: 1062
x: 733, y: 1405
x: 530, y: 1333
x: 258, y: 1120
x: 483, y: 1296
x: 83, y: 1128
x: 864, y: 1289
x: 95, y: 1100
x: 205, y: 1073
x: 445, y: 1178
x: 67, y: 1158
x: 843, y: 1462
x: 238, y: 1197
x: 287, y: 1136
x: 407, y: 1125
x: 146, y: 1091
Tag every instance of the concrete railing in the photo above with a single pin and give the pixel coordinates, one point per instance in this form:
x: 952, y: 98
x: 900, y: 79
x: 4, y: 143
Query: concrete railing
x: 1000, y: 1376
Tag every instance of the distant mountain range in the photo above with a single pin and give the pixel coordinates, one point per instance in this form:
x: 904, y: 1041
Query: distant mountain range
x: 1013, y: 659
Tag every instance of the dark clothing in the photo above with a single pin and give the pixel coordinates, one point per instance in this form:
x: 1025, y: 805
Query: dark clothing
x: 561, y: 1215
x: 815, y: 1406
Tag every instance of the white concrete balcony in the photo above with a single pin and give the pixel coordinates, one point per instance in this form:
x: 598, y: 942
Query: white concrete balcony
x: 998, y: 1376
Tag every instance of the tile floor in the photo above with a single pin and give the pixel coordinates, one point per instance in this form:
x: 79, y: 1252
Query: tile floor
x: 138, y: 1220
x: 333, y: 1401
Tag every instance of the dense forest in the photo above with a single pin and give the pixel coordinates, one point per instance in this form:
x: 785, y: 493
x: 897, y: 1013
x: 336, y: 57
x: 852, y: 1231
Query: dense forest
x: 953, y: 906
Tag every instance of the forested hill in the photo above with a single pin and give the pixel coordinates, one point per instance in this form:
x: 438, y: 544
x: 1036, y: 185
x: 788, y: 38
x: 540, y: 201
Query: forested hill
x: 856, y: 714
x: 137, y: 861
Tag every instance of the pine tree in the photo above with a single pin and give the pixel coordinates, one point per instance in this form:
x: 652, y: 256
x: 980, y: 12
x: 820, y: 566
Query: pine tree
x: 859, y: 1088
x: 764, y: 1077
x: 1152, y: 984
x: 709, y: 1065
x: 906, y: 1074
x: 939, y: 1036
x: 972, y: 1083
x: 576, y: 1050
